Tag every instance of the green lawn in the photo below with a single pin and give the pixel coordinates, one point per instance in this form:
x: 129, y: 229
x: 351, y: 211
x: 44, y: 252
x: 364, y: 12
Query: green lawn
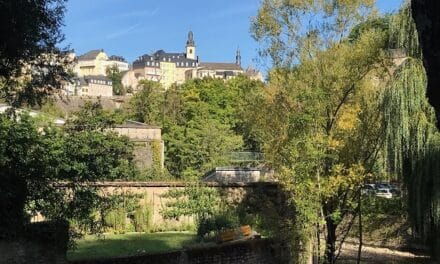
x: 111, y: 245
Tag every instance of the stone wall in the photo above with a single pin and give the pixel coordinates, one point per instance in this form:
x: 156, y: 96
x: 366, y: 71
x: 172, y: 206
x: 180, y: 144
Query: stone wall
x: 153, y: 192
x: 40, y: 243
x: 257, y: 251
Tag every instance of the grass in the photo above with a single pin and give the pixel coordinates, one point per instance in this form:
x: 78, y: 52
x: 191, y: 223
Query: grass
x: 112, y: 245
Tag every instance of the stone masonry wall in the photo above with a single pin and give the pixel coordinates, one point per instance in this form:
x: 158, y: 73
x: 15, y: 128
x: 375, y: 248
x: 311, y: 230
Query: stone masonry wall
x: 153, y: 192
x: 40, y: 243
x: 258, y: 251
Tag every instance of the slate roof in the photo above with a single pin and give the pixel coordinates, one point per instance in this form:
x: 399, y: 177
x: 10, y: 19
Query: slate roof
x: 220, y: 66
x: 135, y: 124
x: 91, y: 55
x: 117, y: 58
x: 83, y: 81
x: 162, y: 56
x: 97, y: 77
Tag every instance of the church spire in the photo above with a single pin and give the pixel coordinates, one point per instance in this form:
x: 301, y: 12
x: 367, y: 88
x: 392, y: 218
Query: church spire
x: 190, y: 41
x: 190, y: 47
x: 238, y: 57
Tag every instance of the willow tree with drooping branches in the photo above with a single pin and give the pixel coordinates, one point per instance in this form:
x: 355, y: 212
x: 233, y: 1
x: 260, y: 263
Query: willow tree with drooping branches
x: 412, y: 146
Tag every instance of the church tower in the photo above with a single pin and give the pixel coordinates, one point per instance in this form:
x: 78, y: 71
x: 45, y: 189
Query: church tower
x: 190, y: 47
x: 238, y: 58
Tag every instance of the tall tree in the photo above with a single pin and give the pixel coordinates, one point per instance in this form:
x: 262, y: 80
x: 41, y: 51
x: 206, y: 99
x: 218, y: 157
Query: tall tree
x: 412, y: 140
x: 113, y: 73
x: 318, y: 114
x: 145, y: 105
x: 31, y: 64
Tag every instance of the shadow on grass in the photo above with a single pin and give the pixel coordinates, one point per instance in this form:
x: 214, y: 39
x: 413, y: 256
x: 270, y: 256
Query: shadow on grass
x: 130, y: 244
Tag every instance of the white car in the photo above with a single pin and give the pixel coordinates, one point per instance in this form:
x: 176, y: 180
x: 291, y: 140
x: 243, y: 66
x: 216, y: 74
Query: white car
x: 384, y: 192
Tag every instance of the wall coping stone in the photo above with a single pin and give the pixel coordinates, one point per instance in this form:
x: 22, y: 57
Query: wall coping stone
x: 174, y: 184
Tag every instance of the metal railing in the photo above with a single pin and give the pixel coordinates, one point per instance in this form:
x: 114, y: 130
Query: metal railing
x: 246, y: 156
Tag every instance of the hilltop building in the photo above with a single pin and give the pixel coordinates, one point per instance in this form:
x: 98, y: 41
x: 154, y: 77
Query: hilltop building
x: 253, y: 74
x: 166, y: 68
x: 90, y: 85
x: 90, y: 70
x: 176, y: 68
x: 95, y: 62
x: 221, y: 70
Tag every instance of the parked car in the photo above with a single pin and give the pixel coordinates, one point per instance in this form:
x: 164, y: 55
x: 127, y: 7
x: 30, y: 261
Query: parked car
x: 383, y: 185
x: 395, y: 190
x: 369, y: 189
x: 384, y: 192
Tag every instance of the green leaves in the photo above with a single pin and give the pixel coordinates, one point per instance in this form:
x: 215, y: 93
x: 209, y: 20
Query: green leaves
x: 202, y: 121
x: 34, y: 162
x: 115, y: 76
x: 193, y: 200
x: 289, y: 31
x: 146, y: 105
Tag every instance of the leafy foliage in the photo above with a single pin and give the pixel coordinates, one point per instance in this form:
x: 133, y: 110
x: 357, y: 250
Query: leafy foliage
x: 222, y: 220
x: 36, y: 163
x: 202, y: 121
x: 412, y: 139
x: 142, y: 218
x: 31, y: 64
x: 319, y: 120
x: 113, y: 74
x: 193, y: 200
x: 145, y: 104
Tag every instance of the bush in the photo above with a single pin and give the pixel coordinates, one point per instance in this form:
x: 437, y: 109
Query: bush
x: 211, y: 225
x: 116, y: 219
x: 372, y: 205
x: 142, y: 218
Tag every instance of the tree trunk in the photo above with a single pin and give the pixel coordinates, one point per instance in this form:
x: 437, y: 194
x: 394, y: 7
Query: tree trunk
x: 360, y: 228
x: 330, y: 241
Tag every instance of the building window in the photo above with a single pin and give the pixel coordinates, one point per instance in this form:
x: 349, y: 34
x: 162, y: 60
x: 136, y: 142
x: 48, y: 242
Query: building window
x: 186, y: 64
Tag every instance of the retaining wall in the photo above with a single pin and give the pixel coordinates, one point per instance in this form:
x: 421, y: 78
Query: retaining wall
x: 257, y: 251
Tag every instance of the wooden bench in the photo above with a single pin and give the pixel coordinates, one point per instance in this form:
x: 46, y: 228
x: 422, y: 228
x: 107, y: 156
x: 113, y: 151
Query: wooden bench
x: 246, y: 230
x: 227, y: 235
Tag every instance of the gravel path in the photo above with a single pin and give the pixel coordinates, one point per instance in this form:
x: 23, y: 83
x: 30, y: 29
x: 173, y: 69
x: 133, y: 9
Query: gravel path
x: 380, y: 255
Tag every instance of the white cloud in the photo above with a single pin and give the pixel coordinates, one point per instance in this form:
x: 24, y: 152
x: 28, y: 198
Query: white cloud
x: 123, y: 32
x: 138, y: 13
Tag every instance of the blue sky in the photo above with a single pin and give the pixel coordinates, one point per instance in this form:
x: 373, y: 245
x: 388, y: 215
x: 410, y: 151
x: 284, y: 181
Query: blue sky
x: 131, y: 28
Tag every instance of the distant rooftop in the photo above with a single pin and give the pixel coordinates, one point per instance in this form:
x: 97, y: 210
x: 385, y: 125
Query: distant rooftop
x: 117, y: 58
x: 135, y: 124
x: 162, y: 56
x: 220, y: 66
x: 238, y: 174
x: 91, y: 55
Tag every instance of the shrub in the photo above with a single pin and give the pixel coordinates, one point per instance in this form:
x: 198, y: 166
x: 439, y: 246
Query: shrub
x: 211, y: 225
x: 142, y: 218
x: 116, y: 219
